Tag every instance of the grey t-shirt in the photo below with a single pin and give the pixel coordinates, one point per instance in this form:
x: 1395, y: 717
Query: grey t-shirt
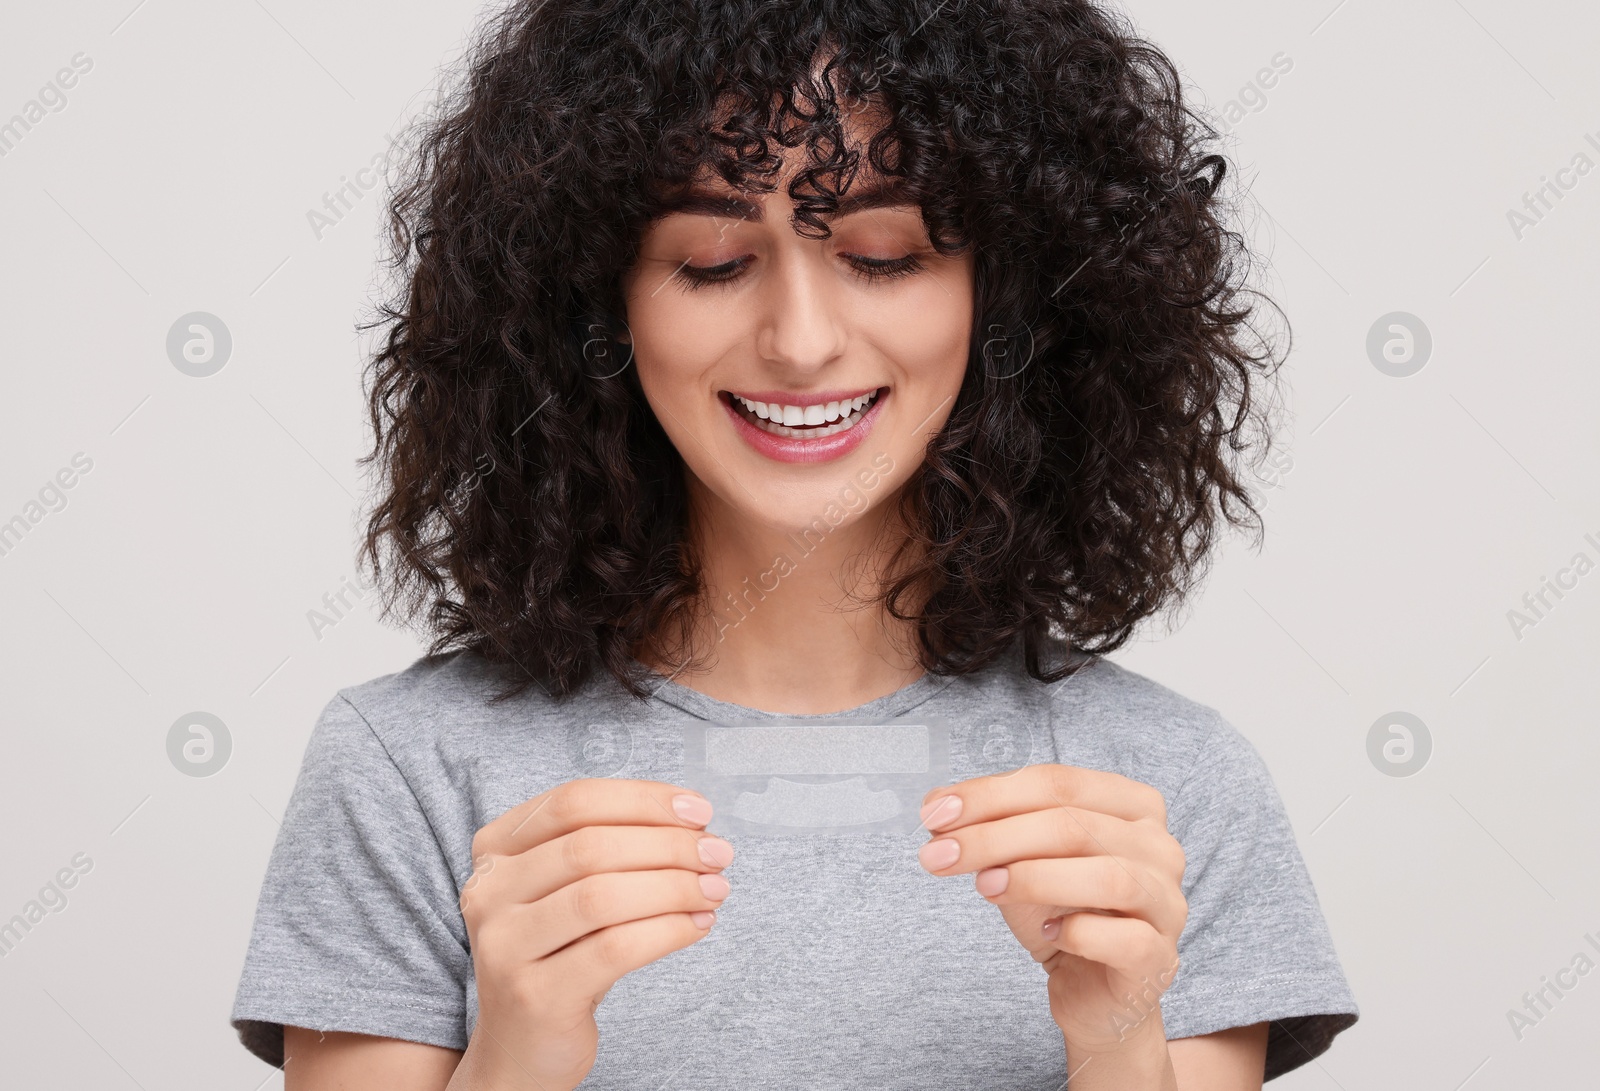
x: 836, y: 960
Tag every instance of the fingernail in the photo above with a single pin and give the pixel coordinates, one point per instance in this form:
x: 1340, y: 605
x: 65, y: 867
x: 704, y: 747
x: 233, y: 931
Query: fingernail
x: 1051, y: 928
x: 716, y: 852
x: 703, y: 918
x: 941, y: 810
x: 714, y: 887
x: 992, y: 881
x: 940, y: 854
x: 695, y: 809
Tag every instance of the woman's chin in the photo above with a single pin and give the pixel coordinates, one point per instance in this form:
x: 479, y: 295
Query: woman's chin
x: 806, y: 519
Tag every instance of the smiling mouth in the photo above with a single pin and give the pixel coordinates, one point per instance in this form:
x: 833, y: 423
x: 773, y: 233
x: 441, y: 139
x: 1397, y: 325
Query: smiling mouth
x: 804, y: 422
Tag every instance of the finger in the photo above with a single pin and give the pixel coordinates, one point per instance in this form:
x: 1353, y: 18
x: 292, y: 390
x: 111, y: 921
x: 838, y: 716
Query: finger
x: 1129, y: 946
x: 546, y: 868
x: 1089, y: 882
x: 591, y: 801
x: 1035, y: 787
x: 1052, y: 832
x: 599, y: 960
x: 612, y: 897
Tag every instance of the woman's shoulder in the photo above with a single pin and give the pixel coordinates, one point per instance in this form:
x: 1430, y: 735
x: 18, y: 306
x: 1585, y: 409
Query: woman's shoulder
x: 1108, y: 688
x: 1110, y: 716
x: 440, y: 696
x: 450, y: 677
x: 1115, y: 690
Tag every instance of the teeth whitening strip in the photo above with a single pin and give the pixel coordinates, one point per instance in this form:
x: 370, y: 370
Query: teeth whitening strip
x: 796, y: 780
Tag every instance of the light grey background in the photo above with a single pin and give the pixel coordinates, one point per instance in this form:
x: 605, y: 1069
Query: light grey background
x: 1416, y: 512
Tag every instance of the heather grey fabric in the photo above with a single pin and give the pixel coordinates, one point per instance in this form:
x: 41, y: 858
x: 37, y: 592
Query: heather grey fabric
x: 836, y: 961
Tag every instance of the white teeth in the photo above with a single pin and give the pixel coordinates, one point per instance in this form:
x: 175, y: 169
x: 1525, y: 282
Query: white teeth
x: 787, y: 420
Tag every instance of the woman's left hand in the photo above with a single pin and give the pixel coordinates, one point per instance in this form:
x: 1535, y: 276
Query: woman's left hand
x: 1089, y: 853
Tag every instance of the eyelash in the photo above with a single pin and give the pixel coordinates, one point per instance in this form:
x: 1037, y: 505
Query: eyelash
x: 870, y: 270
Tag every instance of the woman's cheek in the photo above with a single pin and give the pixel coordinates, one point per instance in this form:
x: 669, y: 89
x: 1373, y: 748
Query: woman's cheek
x: 677, y: 340
x: 931, y: 342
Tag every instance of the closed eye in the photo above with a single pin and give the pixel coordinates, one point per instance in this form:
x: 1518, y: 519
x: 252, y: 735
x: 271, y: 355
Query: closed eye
x: 869, y: 269
x: 885, y: 268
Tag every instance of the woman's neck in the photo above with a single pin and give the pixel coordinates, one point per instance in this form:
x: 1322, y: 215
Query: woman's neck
x: 790, y: 625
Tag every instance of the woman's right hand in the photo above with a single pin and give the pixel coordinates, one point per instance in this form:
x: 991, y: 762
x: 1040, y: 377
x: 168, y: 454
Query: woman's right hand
x: 569, y: 891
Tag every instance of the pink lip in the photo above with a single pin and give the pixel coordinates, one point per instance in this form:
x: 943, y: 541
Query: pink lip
x: 789, y: 397
x: 784, y: 449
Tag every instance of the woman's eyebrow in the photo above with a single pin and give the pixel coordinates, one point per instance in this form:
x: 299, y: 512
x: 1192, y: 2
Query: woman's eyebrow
x: 701, y: 202
x: 879, y: 195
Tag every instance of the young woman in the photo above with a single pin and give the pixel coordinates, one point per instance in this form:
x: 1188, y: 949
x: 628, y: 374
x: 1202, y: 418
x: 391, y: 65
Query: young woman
x: 760, y: 367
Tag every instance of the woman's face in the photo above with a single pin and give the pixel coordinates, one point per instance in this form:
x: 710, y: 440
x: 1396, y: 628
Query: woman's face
x: 800, y: 379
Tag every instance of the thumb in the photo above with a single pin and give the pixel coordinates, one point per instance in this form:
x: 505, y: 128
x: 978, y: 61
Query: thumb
x: 1025, y: 921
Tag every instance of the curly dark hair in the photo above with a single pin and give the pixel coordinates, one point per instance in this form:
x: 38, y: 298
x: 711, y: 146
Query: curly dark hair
x: 538, y: 510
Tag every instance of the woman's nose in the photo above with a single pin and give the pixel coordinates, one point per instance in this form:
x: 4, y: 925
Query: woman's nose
x: 800, y: 326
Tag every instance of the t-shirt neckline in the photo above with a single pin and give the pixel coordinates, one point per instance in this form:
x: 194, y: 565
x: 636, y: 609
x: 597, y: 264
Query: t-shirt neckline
x: 705, y: 707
